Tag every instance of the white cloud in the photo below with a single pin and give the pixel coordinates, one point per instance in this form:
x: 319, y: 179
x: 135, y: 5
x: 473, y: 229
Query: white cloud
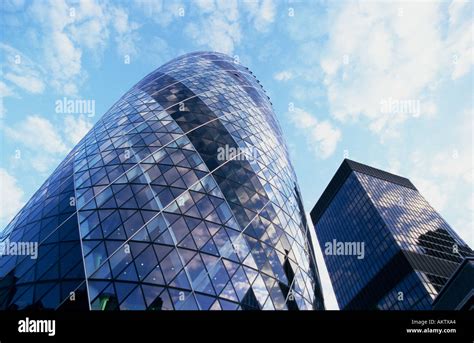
x: 5, y: 90
x: 297, y: 25
x: 322, y: 137
x: 61, y: 54
x: 90, y: 27
x: 262, y: 13
x: 206, y: 5
x: 284, y: 75
x: 30, y: 84
x: 302, y: 119
x: 163, y: 12
x: 461, y: 48
x: 453, y: 164
x: 457, y: 10
x: 127, y: 36
x: 67, y: 29
x: 37, y: 133
x: 42, y: 144
x: 327, y: 137
x: 11, y: 196
x: 76, y: 127
x: 20, y: 72
x: 219, y: 28
x: 63, y: 31
x: 380, y: 50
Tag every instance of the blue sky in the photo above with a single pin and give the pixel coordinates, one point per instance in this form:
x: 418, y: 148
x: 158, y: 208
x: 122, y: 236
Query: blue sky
x: 389, y: 84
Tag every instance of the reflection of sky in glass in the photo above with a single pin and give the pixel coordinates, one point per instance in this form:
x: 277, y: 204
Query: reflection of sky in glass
x: 150, y: 191
x: 388, y: 218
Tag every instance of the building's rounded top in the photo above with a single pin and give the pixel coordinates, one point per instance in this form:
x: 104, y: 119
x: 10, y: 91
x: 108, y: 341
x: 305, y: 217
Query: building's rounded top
x: 201, y: 65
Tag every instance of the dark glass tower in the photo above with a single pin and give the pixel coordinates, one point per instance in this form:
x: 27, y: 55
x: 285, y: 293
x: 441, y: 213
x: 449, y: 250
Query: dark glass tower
x: 409, y: 251
x: 147, y: 213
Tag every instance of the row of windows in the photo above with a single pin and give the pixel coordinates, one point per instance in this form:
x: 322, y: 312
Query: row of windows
x: 140, y: 181
x: 351, y: 218
x: 386, y: 217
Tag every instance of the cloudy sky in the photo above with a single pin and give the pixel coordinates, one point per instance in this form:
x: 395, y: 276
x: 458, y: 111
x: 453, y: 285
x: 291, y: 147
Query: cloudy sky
x: 389, y: 84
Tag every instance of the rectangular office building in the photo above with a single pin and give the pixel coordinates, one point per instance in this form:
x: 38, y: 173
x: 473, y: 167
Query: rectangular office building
x: 384, y: 245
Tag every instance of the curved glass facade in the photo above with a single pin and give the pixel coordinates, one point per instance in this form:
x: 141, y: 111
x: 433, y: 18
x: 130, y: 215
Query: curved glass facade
x: 182, y: 197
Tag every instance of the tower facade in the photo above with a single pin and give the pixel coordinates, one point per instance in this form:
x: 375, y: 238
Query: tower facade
x: 181, y: 197
x: 384, y: 246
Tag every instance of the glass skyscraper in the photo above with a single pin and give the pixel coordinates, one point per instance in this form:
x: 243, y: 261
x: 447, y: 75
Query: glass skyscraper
x: 182, y: 196
x: 384, y: 246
